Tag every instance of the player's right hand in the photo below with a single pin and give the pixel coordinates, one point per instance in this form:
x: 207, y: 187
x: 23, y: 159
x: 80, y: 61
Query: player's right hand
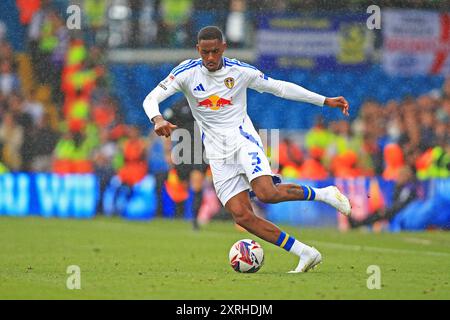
x: 163, y: 127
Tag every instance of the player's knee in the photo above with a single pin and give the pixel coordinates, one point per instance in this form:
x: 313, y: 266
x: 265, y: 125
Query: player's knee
x: 244, y: 219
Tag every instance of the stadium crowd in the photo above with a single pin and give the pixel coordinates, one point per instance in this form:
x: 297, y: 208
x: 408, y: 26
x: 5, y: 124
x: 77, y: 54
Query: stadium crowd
x: 171, y: 23
x: 414, y: 132
x: 58, y: 115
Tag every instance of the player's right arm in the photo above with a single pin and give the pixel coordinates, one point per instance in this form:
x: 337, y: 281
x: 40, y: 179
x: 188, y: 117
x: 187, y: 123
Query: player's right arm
x: 165, y: 89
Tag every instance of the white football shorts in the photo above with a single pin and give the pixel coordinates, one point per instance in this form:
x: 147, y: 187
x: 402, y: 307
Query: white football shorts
x: 234, y: 174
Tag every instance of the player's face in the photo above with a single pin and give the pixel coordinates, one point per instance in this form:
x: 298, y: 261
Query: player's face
x: 211, y: 52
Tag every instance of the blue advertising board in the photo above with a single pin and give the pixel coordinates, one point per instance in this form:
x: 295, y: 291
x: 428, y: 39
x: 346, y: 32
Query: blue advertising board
x: 78, y: 196
x: 48, y: 195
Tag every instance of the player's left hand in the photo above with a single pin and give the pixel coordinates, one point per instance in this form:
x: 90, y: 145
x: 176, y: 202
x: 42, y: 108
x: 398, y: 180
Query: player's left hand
x: 338, y: 102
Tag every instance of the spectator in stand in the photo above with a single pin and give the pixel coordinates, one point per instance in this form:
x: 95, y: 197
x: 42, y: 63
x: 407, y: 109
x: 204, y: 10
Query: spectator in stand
x: 342, y: 140
x: 394, y: 127
x: 44, y: 140
x: 290, y: 158
x: 24, y: 120
x: 42, y: 41
x: 96, y: 12
x: 374, y: 133
x: 345, y: 165
x: 7, y: 53
x: 133, y: 168
x: 103, y: 158
x: 34, y: 108
x: 383, y: 139
x: 2, y: 31
x: 441, y: 133
x: 3, y: 168
x: 62, y: 154
x: 174, y: 30
x: 96, y: 57
x: 58, y: 54
x: 443, y: 112
x: 394, y: 162
x: 73, y: 152
x: 236, y: 24
x: 97, y: 61
x: 3, y: 104
x: 11, y: 137
x: 148, y: 22
x: 158, y: 166
x: 136, y: 9
x: 134, y: 152
x: 104, y: 112
x: 9, y: 82
x: 427, y: 125
x: 370, y: 155
x: 405, y: 192
x: 312, y: 168
x: 34, y: 33
x: 319, y: 136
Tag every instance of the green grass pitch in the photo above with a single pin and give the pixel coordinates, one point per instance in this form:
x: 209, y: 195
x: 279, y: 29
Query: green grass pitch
x: 166, y: 259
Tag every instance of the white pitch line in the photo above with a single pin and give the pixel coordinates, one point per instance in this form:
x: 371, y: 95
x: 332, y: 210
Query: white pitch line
x: 377, y: 249
x: 425, y: 242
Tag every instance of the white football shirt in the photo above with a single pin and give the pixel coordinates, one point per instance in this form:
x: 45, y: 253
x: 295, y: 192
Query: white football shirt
x: 218, y: 101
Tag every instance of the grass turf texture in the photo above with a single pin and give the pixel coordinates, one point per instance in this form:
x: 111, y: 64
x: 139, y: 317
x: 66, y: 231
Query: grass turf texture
x: 166, y: 259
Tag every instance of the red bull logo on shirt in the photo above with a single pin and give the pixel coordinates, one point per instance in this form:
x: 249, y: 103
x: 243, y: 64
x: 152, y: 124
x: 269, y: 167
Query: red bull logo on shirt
x: 214, y: 102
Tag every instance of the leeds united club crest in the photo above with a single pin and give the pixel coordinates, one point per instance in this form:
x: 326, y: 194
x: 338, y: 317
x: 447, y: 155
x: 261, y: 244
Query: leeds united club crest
x: 229, y: 82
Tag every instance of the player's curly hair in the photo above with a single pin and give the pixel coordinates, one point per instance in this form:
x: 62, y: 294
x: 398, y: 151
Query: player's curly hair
x: 210, y: 33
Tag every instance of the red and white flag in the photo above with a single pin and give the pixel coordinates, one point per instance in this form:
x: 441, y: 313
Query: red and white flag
x: 416, y: 42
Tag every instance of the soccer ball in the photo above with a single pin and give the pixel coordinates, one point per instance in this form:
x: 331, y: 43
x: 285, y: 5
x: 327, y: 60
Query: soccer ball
x: 246, y: 256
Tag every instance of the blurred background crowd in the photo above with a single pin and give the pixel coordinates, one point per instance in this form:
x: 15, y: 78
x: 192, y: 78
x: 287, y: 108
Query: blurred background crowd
x: 61, y: 109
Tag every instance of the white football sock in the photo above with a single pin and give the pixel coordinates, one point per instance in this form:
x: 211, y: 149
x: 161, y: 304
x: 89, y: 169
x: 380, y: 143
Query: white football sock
x: 321, y: 193
x: 298, y: 248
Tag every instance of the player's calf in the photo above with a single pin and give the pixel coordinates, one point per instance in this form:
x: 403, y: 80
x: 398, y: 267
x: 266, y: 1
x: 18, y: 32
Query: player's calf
x: 266, y: 191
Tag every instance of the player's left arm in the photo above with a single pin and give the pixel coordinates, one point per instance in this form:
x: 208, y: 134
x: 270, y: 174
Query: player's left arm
x: 292, y: 91
x: 338, y: 102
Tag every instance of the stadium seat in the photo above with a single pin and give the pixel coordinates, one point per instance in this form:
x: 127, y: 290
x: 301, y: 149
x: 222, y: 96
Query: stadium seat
x: 356, y: 86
